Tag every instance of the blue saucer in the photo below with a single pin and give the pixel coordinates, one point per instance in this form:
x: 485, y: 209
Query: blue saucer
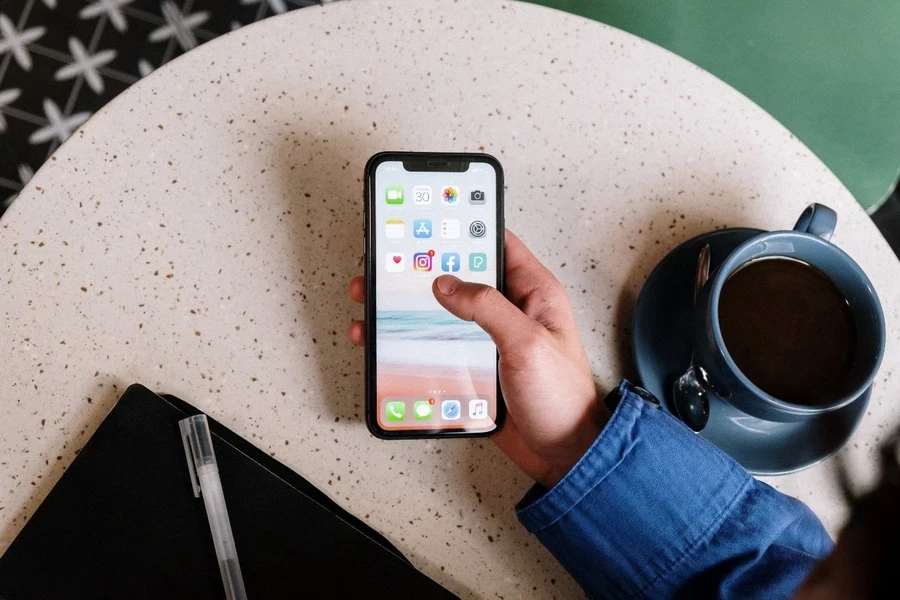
x: 662, y: 351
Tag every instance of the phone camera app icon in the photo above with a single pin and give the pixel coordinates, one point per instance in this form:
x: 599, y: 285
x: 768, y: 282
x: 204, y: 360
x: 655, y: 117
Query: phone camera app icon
x: 393, y: 194
x: 477, y: 197
x: 450, y: 410
x: 478, y: 261
x: 477, y: 229
x: 422, y: 260
x: 450, y: 195
x: 395, y: 411
x: 423, y: 409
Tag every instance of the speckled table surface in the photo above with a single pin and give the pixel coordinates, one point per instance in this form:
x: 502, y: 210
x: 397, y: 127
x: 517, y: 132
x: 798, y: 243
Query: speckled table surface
x: 198, y: 233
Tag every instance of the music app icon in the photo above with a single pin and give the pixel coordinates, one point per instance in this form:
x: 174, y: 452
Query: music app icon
x: 478, y: 409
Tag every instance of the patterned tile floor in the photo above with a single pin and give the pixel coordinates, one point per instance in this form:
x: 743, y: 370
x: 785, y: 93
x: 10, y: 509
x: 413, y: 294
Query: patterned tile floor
x: 62, y: 60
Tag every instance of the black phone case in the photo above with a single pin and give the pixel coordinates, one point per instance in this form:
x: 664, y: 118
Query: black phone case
x: 434, y: 160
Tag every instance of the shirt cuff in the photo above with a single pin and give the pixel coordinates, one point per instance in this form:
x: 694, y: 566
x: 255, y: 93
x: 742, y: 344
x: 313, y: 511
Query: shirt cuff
x: 646, y: 492
x: 541, y: 507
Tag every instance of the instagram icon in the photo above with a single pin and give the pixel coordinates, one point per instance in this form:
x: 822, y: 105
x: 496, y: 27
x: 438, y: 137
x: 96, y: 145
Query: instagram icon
x: 422, y: 260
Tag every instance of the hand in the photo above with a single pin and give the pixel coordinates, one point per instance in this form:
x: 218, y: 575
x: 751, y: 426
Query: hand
x: 554, y: 412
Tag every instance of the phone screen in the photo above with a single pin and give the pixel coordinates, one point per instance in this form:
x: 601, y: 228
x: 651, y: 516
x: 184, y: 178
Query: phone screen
x: 433, y: 371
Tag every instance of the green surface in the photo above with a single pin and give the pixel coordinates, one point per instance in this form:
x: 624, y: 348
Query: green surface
x: 829, y: 70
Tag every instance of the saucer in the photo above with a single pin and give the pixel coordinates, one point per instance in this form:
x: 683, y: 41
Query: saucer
x: 662, y: 350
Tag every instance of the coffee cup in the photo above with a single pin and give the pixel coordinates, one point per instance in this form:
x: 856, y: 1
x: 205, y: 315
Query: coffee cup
x: 788, y: 326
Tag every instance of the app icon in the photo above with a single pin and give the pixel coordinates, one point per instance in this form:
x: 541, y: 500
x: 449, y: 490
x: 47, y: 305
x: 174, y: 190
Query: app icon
x: 477, y: 197
x: 394, y: 262
x: 395, y: 411
x: 478, y: 409
x: 477, y: 261
x: 422, y: 228
x: 394, y: 229
x: 421, y: 195
x: 393, y: 194
x: 450, y: 410
x: 422, y: 409
x: 422, y: 261
x: 450, y: 228
x: 477, y: 229
x: 449, y: 262
x: 450, y: 195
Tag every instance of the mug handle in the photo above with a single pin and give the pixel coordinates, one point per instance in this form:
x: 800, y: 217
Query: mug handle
x: 817, y: 220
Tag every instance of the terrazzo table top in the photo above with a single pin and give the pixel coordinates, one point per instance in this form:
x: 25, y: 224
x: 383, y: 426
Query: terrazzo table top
x: 197, y: 236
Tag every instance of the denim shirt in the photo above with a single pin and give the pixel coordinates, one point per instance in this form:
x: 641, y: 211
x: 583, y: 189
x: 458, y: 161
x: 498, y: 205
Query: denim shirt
x: 654, y: 511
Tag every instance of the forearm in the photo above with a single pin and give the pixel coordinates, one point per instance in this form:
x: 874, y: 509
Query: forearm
x: 654, y: 510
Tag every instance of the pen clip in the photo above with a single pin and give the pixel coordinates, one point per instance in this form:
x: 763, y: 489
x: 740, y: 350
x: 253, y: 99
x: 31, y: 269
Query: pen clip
x: 185, y: 426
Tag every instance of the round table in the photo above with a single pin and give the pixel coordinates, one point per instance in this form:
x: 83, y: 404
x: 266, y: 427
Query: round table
x: 197, y: 236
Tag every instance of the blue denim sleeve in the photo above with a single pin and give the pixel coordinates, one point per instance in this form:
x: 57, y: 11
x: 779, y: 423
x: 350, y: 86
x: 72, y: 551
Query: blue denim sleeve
x: 653, y: 510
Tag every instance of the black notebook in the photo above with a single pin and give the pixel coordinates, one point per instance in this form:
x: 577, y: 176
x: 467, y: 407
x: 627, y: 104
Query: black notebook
x: 123, y: 522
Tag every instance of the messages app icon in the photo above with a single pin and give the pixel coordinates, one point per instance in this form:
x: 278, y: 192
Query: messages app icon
x: 422, y: 409
x: 477, y: 261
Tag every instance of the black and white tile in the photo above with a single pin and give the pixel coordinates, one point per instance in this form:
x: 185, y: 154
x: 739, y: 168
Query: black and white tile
x: 62, y: 60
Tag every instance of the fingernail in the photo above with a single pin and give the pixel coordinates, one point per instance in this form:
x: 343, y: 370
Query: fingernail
x: 447, y: 284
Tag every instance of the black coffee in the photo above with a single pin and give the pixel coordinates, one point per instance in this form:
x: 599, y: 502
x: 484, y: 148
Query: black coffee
x: 789, y: 330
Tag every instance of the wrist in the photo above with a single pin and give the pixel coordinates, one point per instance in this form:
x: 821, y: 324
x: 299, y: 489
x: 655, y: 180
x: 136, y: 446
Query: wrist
x: 577, y: 444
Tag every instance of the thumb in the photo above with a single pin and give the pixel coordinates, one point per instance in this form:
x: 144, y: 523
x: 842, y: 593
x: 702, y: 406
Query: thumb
x: 485, y: 305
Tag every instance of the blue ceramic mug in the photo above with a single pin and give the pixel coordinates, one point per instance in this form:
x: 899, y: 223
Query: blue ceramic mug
x: 807, y: 242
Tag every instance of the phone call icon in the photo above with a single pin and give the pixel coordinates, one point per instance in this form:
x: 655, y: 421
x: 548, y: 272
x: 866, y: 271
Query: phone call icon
x: 395, y: 411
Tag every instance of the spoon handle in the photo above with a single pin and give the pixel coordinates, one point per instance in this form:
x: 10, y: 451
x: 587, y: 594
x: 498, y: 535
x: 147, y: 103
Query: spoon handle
x: 702, y: 271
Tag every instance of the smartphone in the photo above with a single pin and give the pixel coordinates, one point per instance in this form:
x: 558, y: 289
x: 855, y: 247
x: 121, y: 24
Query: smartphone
x: 428, y: 373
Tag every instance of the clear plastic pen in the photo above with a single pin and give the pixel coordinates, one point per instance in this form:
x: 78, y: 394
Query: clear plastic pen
x: 204, y: 471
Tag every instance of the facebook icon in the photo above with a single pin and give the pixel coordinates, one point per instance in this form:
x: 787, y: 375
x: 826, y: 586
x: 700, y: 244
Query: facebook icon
x: 422, y: 228
x: 449, y: 262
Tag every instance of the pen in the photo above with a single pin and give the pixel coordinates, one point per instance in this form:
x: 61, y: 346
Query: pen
x: 204, y: 471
